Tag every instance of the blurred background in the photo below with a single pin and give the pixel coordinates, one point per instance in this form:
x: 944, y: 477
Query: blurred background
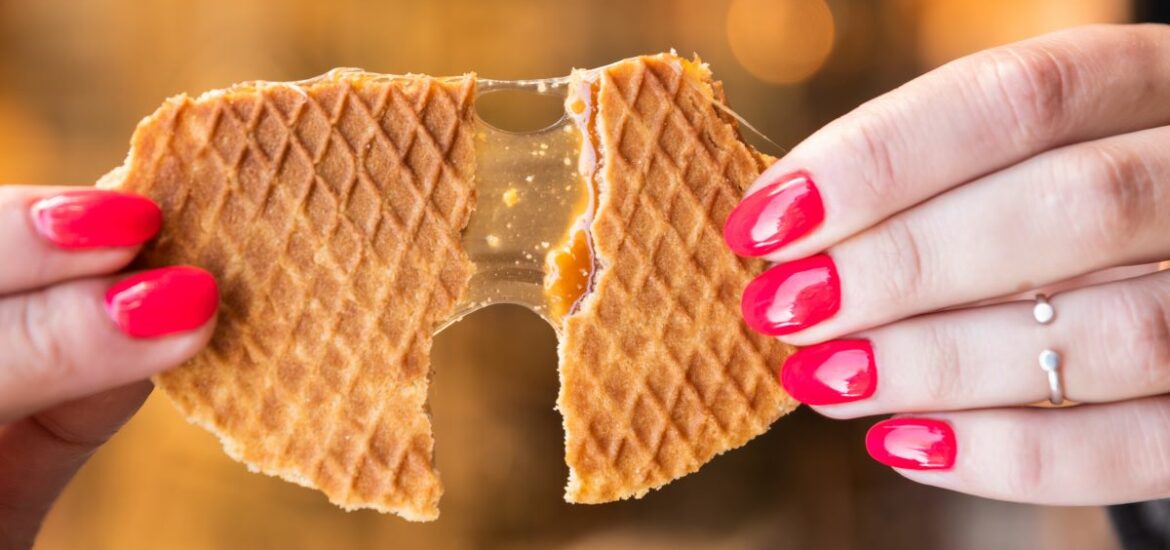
x: 77, y: 75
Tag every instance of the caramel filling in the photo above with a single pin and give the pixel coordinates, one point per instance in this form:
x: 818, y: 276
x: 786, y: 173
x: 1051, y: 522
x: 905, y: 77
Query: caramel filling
x: 529, y: 234
x: 570, y: 266
x: 570, y: 274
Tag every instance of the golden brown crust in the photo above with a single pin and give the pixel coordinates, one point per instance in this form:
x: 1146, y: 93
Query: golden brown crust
x: 330, y: 213
x: 659, y: 374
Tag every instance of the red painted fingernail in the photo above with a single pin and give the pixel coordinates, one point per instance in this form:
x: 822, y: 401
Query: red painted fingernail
x: 838, y: 371
x: 792, y: 296
x: 774, y: 216
x: 912, y: 443
x: 94, y: 218
x: 163, y: 301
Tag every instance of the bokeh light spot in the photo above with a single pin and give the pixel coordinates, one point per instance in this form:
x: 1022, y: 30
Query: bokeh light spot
x: 954, y: 28
x: 780, y: 41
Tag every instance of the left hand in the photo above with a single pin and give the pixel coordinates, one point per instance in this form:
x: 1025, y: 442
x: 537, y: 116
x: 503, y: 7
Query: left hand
x: 79, y: 339
x: 1005, y: 171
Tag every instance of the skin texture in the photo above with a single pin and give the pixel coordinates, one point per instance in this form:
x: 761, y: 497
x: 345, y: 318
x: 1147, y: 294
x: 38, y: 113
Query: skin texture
x: 71, y: 376
x: 1029, y: 165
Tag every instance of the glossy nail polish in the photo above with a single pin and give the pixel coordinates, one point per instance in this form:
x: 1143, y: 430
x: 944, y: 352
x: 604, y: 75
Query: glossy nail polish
x: 774, y: 216
x: 838, y: 371
x: 912, y: 443
x: 95, y: 218
x: 792, y: 296
x: 162, y: 301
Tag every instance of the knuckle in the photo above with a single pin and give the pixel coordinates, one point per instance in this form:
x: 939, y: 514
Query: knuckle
x: 1111, y: 196
x: 872, y: 140
x: 902, y: 250
x: 1030, y: 454
x: 1043, y: 81
x: 1033, y: 81
x: 44, y: 356
x: 942, y: 381
x: 1146, y: 318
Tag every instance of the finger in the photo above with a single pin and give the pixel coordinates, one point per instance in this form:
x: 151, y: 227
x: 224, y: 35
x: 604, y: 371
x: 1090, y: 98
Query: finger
x: 78, y: 338
x: 1064, y: 213
x: 41, y: 453
x: 1114, y: 342
x: 969, y: 118
x: 1087, y: 455
x: 61, y: 233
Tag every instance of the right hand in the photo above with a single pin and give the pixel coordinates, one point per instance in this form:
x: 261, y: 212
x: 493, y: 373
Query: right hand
x: 1009, y: 170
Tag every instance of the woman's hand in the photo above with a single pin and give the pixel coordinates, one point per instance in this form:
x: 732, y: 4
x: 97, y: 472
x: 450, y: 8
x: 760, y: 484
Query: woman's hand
x: 77, y: 343
x: 1005, y: 171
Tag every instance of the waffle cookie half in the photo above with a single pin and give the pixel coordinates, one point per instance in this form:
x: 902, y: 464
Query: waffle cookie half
x: 332, y: 213
x: 659, y: 374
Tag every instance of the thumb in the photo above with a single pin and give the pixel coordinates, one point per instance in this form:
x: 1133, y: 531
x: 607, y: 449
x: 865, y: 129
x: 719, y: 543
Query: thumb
x: 41, y: 453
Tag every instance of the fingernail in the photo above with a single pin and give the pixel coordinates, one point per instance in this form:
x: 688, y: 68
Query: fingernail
x: 792, y: 296
x: 838, y: 371
x: 163, y: 301
x: 774, y: 216
x: 94, y: 218
x: 912, y: 443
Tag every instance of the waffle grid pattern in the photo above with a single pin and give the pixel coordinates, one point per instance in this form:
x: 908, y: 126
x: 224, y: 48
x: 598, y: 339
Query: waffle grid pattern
x: 345, y: 198
x: 660, y: 374
x: 354, y: 193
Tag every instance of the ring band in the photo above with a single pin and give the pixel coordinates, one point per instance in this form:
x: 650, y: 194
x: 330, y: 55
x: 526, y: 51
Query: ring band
x: 1050, y: 360
x: 1050, y: 364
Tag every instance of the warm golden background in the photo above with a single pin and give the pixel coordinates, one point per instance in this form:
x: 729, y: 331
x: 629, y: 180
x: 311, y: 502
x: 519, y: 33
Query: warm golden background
x: 76, y: 75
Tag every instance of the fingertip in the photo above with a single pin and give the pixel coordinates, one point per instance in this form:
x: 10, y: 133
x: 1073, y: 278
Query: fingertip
x: 785, y: 209
x: 84, y: 219
x: 68, y: 233
x: 913, y: 443
x: 163, y: 301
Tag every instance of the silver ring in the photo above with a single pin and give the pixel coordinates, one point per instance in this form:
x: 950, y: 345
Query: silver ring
x: 1050, y: 360
x: 1050, y: 363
